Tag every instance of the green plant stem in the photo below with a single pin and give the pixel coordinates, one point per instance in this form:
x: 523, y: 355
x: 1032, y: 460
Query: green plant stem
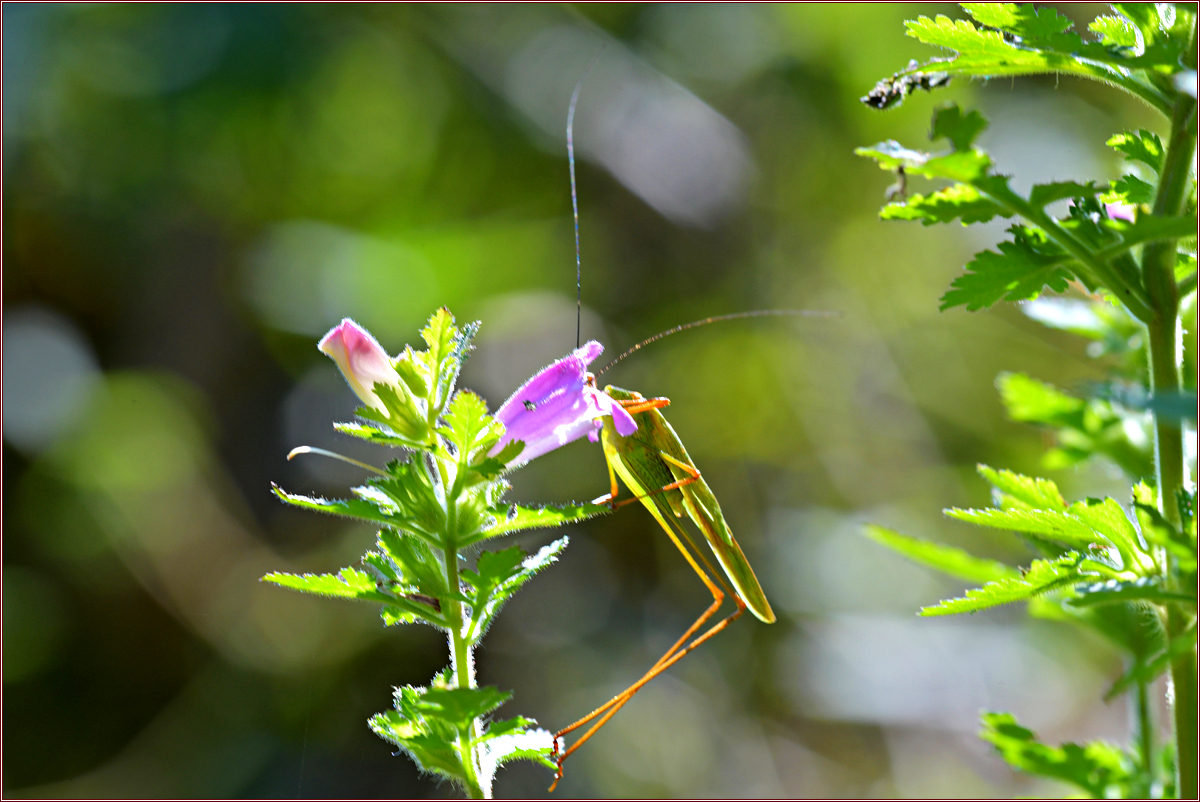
x: 1144, y: 731
x: 1134, y: 297
x: 1183, y: 707
x: 1158, y: 273
x: 460, y: 649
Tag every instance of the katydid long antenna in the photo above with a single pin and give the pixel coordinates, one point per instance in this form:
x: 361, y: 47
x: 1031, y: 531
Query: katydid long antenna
x: 574, y: 196
x: 579, y: 261
x: 718, y: 319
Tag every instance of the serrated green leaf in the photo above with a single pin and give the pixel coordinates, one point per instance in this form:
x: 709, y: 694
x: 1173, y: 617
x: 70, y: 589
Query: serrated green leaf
x: 1159, y: 532
x: 517, y: 518
x: 1143, y: 589
x: 1098, y: 768
x: 964, y: 166
x: 1044, y: 194
x: 1027, y: 21
x: 1020, y: 271
x: 431, y: 753
x: 374, y: 434
x: 947, y: 559
x: 447, y: 349
x: 429, y: 740
x: 411, y: 490
x: 393, y: 616
x: 1029, y: 492
x: 1149, y: 228
x: 1114, y: 31
x: 356, y: 508
x: 949, y: 122
x: 384, y: 568
x: 497, y: 576
x: 1129, y: 189
x: 1043, y: 576
x: 1032, y: 41
x: 514, y: 739
x: 1050, y: 525
x: 491, y: 467
x: 1143, y: 146
x: 468, y: 425
x: 404, y: 415
x: 1031, y: 401
x: 1106, y: 517
x: 960, y: 36
x: 461, y: 706
x: 416, y: 380
x: 349, y: 583
x: 1082, y: 428
x: 416, y: 565
x: 1185, y: 268
x: 961, y: 201
x: 1146, y: 17
x: 473, y: 517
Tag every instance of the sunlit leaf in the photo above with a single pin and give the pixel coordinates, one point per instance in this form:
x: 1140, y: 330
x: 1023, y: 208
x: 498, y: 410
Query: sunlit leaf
x: 1029, y: 492
x: 959, y: 202
x: 357, y: 508
x: 1042, y: 576
x: 1050, y: 525
x: 516, y: 517
x: 1143, y: 146
x: 1099, y: 768
x: 498, y: 575
x: 1021, y: 270
x: 947, y: 559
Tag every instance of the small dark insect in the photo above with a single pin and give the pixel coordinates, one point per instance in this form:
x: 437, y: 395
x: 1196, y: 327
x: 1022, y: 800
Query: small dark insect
x: 530, y: 406
x: 892, y: 91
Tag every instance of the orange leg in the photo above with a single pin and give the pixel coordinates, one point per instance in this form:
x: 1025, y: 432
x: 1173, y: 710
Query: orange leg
x: 611, y: 498
x: 680, y: 648
x: 635, y: 405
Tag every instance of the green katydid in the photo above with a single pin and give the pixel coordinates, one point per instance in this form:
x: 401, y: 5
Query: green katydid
x: 656, y: 468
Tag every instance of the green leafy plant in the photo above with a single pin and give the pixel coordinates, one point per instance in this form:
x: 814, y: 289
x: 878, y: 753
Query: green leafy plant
x: 434, y: 505
x: 1127, y: 250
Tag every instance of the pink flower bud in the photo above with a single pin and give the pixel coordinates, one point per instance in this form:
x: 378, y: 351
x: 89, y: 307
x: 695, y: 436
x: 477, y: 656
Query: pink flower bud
x: 361, y: 359
x: 558, y: 406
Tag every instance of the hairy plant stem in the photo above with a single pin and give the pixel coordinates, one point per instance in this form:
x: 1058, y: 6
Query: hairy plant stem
x: 460, y: 650
x: 1158, y: 275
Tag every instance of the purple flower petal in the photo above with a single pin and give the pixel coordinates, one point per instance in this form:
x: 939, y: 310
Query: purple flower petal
x: 556, y: 406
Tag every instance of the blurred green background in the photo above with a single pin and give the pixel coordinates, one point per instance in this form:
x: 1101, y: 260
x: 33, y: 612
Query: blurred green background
x: 193, y: 194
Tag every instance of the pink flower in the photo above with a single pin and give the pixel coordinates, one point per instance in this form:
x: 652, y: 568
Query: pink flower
x: 1120, y: 211
x: 559, y: 405
x: 361, y: 359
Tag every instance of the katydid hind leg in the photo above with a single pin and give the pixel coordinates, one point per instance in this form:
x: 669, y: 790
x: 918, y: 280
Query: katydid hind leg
x: 681, y: 646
